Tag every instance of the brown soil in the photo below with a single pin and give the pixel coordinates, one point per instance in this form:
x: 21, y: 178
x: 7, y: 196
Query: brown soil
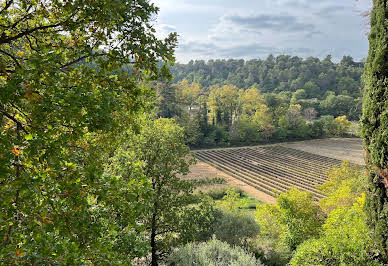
x: 203, y: 170
x: 337, y: 148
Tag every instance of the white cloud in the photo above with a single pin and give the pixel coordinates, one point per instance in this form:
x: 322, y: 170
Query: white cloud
x: 251, y: 29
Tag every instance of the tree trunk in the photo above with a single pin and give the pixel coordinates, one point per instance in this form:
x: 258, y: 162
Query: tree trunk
x: 375, y: 126
x: 154, y: 257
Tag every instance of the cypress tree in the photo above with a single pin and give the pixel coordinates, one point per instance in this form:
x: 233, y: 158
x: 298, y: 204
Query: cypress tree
x: 375, y: 127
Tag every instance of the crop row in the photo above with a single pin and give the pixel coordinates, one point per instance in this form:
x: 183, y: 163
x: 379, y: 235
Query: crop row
x: 272, y: 169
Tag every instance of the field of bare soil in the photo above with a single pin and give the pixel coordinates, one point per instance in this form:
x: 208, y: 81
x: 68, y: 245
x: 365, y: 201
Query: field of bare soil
x: 338, y: 148
x: 263, y: 171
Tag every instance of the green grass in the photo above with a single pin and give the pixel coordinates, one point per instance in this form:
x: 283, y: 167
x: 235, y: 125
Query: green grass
x: 250, y: 203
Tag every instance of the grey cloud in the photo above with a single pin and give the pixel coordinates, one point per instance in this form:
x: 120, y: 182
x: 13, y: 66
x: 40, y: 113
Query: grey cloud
x: 198, y: 47
x: 167, y: 28
x: 252, y: 50
x: 330, y: 11
x: 271, y: 22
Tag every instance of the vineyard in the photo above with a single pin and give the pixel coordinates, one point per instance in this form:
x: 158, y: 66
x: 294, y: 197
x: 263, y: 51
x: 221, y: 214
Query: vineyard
x: 272, y: 169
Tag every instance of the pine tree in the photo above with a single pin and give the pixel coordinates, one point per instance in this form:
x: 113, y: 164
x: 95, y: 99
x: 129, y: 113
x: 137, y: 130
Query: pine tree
x: 375, y: 126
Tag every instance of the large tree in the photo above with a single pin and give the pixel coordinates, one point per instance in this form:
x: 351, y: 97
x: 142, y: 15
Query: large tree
x: 160, y: 149
x: 375, y: 126
x: 64, y: 100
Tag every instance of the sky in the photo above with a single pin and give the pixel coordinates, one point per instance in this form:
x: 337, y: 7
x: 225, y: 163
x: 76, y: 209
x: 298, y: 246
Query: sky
x: 212, y: 29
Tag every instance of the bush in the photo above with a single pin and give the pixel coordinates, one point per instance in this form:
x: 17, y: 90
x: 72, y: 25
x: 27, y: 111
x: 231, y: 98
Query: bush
x: 212, y: 253
x: 247, y: 132
x: 235, y: 228
x: 345, y: 240
x: 344, y: 185
x: 268, y: 251
x: 220, y: 193
x: 220, y: 135
x: 208, y: 181
x: 342, y: 126
x: 293, y: 220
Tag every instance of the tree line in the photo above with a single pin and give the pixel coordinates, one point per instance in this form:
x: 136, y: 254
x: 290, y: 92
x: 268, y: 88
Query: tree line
x: 222, y: 115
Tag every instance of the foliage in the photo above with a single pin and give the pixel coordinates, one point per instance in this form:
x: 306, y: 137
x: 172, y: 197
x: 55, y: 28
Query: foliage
x: 294, y: 219
x: 341, y: 125
x: 283, y: 73
x: 211, y: 253
x: 65, y: 100
x: 223, y: 114
x: 269, y: 251
x: 231, y: 223
x: 235, y: 228
x: 345, y: 240
x: 375, y: 124
x: 208, y: 181
x: 231, y: 201
x: 196, y: 222
x: 160, y: 147
x: 344, y: 185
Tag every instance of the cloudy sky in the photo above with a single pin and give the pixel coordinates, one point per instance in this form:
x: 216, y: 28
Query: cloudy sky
x: 210, y: 29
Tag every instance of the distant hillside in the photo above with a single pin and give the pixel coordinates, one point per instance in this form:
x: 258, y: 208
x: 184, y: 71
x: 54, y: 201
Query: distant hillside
x: 276, y: 74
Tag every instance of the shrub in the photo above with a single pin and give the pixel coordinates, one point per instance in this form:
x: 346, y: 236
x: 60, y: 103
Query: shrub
x: 293, y: 220
x: 268, y: 251
x: 342, y: 126
x: 235, y: 228
x: 220, y: 193
x: 344, y: 185
x: 212, y: 253
x: 208, y: 181
x: 345, y: 240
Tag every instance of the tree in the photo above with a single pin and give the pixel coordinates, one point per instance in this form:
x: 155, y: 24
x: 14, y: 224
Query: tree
x: 166, y: 100
x: 345, y: 240
x: 309, y: 113
x: 294, y: 219
x: 223, y: 102
x: 298, y: 95
x: 344, y: 185
x: 255, y: 114
x: 160, y: 148
x: 341, y: 125
x: 65, y: 100
x: 375, y: 124
x: 188, y: 94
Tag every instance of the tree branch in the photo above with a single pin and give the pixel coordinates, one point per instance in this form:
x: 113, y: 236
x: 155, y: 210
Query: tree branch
x: 18, y: 123
x: 4, y: 40
x: 13, y: 58
x: 7, y: 5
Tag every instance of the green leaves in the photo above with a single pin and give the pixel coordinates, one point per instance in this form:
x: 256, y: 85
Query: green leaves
x: 65, y: 99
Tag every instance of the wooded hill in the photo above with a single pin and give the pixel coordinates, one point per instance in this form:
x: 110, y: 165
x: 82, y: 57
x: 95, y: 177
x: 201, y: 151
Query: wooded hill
x: 277, y: 74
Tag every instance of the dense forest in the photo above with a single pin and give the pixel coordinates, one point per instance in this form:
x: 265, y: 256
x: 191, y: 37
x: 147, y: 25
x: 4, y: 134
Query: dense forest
x: 93, y: 134
x: 233, y: 102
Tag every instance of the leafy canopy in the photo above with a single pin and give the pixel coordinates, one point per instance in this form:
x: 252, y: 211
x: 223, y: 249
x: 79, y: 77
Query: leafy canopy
x: 64, y: 101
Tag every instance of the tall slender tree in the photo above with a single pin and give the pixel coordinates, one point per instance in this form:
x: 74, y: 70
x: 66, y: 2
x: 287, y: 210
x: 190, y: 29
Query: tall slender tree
x: 375, y: 126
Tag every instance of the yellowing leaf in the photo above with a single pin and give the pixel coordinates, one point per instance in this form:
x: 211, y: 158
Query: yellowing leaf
x: 16, y: 150
x: 19, y: 253
x: 9, y: 124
